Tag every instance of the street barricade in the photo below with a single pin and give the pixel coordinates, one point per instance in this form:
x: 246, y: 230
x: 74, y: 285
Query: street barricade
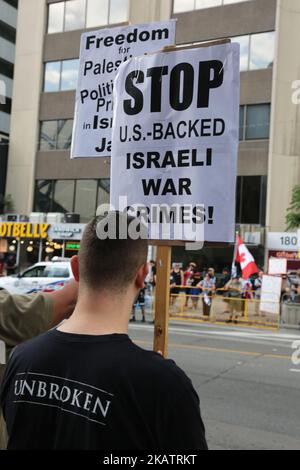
x: 290, y: 313
x: 223, y: 306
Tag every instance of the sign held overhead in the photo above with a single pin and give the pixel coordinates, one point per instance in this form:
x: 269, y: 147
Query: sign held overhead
x: 101, y: 54
x: 175, y: 141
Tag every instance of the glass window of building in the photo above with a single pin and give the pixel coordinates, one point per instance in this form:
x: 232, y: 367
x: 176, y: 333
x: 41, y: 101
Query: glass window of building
x: 52, y: 76
x: 43, y: 196
x: 56, y: 17
x: 69, y: 74
x: 251, y: 200
x: 180, y: 6
x: 226, y: 2
x: 238, y: 200
x: 75, y: 15
x: 80, y: 196
x: 262, y: 50
x: 103, y: 191
x: 207, y: 3
x: 80, y: 14
x: 63, y: 196
x: 64, y: 134
x: 56, y: 134
x: 244, y: 42
x: 258, y: 121
x: 85, y: 199
x: 183, y: 5
x: 118, y: 11
x: 242, y: 122
x: 97, y: 13
x: 48, y: 135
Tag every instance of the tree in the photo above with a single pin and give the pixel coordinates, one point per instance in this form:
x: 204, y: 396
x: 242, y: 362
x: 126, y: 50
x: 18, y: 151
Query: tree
x: 293, y: 211
x: 6, y: 204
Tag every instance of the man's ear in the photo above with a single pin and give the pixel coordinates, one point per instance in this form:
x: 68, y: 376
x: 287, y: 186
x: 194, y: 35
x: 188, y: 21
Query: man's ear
x: 75, y: 267
x: 141, y: 275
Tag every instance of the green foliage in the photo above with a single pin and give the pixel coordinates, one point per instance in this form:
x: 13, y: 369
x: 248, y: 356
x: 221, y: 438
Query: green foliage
x: 293, y: 211
x: 6, y: 204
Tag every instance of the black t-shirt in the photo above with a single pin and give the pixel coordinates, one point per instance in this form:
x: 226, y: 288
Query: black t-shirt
x: 70, y: 391
x: 176, y: 277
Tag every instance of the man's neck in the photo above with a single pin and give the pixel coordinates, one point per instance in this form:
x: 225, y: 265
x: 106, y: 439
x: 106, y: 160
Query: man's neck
x: 100, y: 314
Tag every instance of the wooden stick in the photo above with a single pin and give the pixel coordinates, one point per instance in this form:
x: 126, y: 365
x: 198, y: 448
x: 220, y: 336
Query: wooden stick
x: 162, y: 299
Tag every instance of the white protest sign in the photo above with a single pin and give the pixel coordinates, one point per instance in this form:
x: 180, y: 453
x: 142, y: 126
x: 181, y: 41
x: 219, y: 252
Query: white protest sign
x: 277, y: 266
x: 270, y: 294
x: 101, y: 54
x: 175, y: 141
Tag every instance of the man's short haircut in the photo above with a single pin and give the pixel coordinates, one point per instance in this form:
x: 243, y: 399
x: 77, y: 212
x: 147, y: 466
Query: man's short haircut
x: 111, y: 263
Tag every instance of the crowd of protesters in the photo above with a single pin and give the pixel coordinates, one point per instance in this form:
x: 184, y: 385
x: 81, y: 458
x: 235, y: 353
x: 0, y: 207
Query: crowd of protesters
x: 196, y: 284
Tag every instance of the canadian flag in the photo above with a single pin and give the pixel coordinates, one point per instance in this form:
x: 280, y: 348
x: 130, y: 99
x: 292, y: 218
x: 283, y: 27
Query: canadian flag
x: 246, y: 260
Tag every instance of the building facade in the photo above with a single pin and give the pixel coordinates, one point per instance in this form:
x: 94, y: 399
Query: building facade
x: 8, y: 23
x: 41, y: 176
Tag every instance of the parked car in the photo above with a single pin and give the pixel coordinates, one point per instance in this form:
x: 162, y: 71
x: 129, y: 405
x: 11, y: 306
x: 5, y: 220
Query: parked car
x: 45, y: 276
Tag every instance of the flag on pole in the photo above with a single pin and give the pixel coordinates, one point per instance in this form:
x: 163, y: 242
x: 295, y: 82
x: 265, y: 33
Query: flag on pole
x: 233, y: 266
x: 246, y: 260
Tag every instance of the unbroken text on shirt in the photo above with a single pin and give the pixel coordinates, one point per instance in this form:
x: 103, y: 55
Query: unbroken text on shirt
x: 68, y: 395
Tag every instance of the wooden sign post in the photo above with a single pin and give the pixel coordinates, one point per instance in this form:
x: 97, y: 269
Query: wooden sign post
x: 163, y: 260
x: 169, y: 185
x: 162, y: 299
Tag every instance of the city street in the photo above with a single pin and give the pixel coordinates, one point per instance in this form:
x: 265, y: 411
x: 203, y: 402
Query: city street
x: 248, y: 386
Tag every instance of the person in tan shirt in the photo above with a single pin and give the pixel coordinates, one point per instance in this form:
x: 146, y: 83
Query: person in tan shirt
x: 24, y: 316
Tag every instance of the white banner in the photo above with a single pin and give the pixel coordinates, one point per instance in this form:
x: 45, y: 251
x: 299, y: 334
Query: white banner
x: 270, y: 294
x: 101, y: 54
x: 277, y: 266
x: 175, y: 140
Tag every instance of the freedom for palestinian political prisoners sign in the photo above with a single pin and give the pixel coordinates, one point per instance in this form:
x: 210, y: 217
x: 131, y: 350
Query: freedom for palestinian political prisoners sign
x: 175, y: 141
x: 101, y: 54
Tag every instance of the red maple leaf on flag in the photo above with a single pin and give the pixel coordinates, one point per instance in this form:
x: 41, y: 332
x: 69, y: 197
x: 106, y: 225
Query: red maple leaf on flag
x: 242, y: 258
x: 246, y: 260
